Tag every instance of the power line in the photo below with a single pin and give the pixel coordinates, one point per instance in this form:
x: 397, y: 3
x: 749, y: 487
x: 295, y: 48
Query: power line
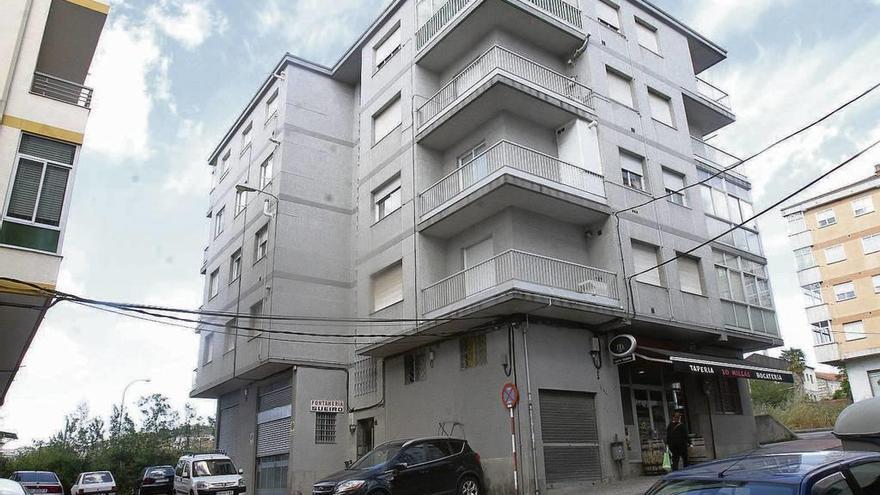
x: 762, y: 151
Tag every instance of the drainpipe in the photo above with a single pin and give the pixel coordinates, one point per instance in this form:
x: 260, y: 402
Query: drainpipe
x: 15, y: 52
x: 531, y: 408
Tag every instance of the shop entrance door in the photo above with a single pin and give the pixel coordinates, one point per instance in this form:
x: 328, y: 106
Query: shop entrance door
x: 649, y: 405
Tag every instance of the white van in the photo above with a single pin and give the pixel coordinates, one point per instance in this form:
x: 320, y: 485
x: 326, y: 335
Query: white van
x: 207, y: 474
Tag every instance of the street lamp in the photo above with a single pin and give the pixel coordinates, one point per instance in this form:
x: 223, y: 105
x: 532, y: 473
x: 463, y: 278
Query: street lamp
x: 124, y: 391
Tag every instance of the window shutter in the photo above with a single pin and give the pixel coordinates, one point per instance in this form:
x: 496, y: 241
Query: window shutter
x: 645, y: 257
x: 608, y: 14
x: 24, y: 190
x: 388, y: 287
x: 689, y: 275
x: 387, y: 47
x: 46, y: 148
x: 632, y: 163
x: 52, y: 195
x: 661, y: 108
x: 647, y: 37
x: 385, y: 121
x: 619, y: 89
x: 672, y: 180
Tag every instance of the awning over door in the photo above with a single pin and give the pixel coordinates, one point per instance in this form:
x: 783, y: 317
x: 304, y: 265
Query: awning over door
x: 711, y: 365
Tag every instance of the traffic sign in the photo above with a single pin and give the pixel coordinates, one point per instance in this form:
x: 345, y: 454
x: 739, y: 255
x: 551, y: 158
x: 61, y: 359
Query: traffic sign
x: 509, y: 395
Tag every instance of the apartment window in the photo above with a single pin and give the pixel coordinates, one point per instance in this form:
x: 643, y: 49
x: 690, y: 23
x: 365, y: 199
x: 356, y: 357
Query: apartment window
x: 835, y: 254
x: 246, y: 136
x: 388, y: 287
x: 812, y: 294
x: 386, y: 199
x: 235, y: 266
x: 645, y: 258
x: 647, y: 35
x: 214, y: 284
x: 415, y: 367
x: 387, y: 48
x: 822, y: 333
x: 689, y: 275
x: 632, y: 170
x: 240, y: 201
x: 387, y: 119
x: 218, y: 221
x: 876, y: 281
x: 266, y: 172
x: 224, y: 164
x: 272, y: 104
x: 325, y: 427
x: 874, y: 379
x: 608, y: 15
x: 862, y: 206
x: 229, y: 332
x: 796, y: 223
x: 661, y: 107
x: 207, y: 346
x: 473, y: 351
x: 747, y: 301
x: 674, y: 182
x: 844, y: 291
x: 871, y: 243
x: 825, y: 218
x: 36, y: 199
x: 261, y: 243
x: 729, y: 203
x: 620, y: 87
x: 854, y: 330
x: 255, y: 312
x: 365, y: 373
x: 803, y: 258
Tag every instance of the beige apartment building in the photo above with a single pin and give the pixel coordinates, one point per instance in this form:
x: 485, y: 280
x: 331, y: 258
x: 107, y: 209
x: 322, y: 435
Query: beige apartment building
x: 46, y: 49
x: 836, y: 241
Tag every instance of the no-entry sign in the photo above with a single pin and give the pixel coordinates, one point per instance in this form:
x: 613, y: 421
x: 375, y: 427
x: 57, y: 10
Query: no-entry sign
x: 509, y: 395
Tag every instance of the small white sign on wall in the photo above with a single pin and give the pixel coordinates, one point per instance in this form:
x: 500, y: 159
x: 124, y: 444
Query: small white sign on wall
x: 334, y: 406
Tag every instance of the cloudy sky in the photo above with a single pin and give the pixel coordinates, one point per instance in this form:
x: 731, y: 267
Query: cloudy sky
x: 170, y: 75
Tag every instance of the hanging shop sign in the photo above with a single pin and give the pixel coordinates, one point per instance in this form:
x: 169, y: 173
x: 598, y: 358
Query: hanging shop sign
x: 728, y: 370
x: 622, y: 346
x: 332, y: 406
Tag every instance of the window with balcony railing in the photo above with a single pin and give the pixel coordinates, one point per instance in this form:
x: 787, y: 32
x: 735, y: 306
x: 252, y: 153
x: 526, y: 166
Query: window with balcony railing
x: 744, y: 288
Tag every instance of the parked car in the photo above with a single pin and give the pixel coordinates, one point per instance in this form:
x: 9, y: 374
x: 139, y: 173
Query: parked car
x: 9, y: 487
x: 94, y: 483
x: 155, y: 480
x: 814, y: 473
x: 424, y: 466
x: 858, y: 426
x: 201, y: 474
x: 38, y: 482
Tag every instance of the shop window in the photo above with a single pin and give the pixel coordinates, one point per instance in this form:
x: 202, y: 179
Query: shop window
x: 728, y: 399
x: 272, y: 474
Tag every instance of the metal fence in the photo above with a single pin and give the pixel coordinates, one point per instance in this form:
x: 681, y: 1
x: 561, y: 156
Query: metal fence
x: 557, y: 8
x: 61, y: 90
x: 498, y: 58
x: 518, y: 265
x: 713, y: 93
x: 515, y: 156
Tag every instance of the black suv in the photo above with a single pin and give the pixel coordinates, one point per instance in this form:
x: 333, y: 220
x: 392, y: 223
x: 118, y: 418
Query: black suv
x: 424, y: 466
x: 155, y: 480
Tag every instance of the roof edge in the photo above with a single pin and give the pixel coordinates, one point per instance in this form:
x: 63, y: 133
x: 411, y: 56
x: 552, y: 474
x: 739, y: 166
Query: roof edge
x: 797, y: 207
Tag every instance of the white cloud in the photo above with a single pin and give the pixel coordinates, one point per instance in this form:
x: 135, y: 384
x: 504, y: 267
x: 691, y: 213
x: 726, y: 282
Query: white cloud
x: 188, y: 22
x: 718, y: 18
x: 190, y: 175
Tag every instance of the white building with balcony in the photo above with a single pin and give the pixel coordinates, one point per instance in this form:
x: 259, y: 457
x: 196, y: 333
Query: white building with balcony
x: 453, y: 188
x: 46, y: 48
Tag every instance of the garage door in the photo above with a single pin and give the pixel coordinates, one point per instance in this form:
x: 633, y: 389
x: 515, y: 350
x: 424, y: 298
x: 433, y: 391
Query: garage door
x: 226, y: 428
x: 570, y: 436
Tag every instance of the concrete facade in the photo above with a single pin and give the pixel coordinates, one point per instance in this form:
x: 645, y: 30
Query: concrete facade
x: 46, y: 48
x: 839, y: 268
x: 504, y: 266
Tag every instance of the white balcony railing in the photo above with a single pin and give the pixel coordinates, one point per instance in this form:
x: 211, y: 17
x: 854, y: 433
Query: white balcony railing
x: 717, y: 156
x: 61, y: 90
x: 560, y: 9
x: 502, y: 59
x: 526, y: 267
x: 506, y: 154
x: 713, y: 93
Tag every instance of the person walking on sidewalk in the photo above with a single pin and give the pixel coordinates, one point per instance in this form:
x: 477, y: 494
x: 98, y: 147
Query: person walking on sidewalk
x: 677, y: 441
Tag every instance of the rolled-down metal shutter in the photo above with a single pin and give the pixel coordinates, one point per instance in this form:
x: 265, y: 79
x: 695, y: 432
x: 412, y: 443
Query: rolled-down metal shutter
x: 226, y: 427
x: 570, y: 436
x: 273, y: 437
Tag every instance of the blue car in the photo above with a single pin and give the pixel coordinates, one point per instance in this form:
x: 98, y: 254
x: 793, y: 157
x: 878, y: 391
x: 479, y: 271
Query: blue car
x: 814, y: 473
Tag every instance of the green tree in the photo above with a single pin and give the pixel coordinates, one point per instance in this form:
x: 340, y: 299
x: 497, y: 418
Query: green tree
x: 797, y: 363
x: 845, y: 391
x: 770, y: 394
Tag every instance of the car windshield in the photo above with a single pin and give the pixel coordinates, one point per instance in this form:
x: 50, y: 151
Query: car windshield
x: 213, y: 467
x: 377, y: 456
x: 90, y: 478
x: 37, y: 478
x: 721, y: 487
x: 160, y: 472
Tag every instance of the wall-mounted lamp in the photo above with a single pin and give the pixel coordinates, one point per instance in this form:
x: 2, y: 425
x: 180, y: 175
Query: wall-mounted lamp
x: 596, y: 354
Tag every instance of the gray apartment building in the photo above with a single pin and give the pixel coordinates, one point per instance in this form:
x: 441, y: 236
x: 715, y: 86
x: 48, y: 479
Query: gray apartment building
x: 445, y: 205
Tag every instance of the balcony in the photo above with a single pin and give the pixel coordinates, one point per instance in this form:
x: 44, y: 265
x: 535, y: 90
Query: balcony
x: 61, y: 90
x: 505, y: 175
x: 708, y: 108
x: 523, y: 271
x: 500, y: 80
x: 828, y: 353
x: 818, y: 313
x: 554, y: 25
x: 716, y: 157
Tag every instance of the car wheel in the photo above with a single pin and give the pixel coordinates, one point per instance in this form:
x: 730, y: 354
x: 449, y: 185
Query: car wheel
x: 468, y: 486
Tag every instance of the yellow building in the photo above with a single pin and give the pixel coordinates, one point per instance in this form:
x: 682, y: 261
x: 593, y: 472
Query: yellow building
x: 836, y: 242
x: 46, y: 49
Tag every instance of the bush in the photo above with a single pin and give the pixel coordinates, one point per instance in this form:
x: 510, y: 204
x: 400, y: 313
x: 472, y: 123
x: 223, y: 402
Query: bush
x: 804, y: 414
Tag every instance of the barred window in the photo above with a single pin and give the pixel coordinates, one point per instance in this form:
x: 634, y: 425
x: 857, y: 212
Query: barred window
x: 325, y: 427
x: 414, y: 365
x: 364, y: 376
x: 728, y: 400
x: 473, y: 351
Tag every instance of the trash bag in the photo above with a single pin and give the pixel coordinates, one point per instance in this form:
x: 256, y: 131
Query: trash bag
x: 667, y: 461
